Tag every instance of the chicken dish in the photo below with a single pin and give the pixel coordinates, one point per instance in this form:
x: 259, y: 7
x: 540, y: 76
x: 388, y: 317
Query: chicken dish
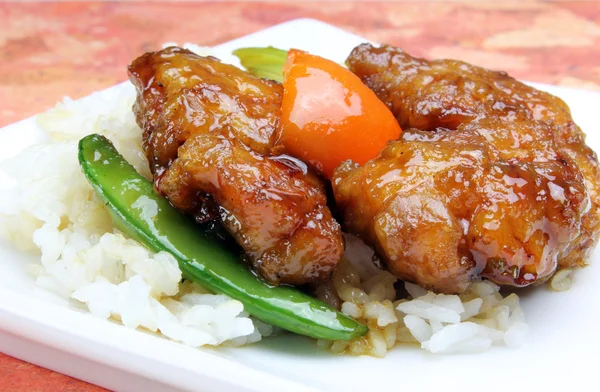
x: 489, y: 177
x: 381, y: 202
x: 209, y: 129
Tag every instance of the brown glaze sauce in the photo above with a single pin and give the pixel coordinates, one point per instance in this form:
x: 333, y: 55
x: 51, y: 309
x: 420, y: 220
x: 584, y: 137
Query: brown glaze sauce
x: 491, y: 177
x: 209, y: 130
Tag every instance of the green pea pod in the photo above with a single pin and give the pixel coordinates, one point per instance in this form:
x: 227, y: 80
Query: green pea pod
x: 150, y: 219
x: 263, y: 62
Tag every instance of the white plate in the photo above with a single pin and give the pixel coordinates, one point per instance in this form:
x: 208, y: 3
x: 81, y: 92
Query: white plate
x: 39, y: 328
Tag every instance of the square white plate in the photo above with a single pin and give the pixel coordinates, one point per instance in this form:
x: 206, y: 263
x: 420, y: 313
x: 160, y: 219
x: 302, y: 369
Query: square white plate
x: 39, y: 328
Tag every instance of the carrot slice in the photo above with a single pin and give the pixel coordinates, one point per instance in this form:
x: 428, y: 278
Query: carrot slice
x: 329, y: 115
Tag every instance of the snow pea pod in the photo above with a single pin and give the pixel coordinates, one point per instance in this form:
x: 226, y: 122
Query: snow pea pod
x: 150, y: 219
x: 263, y: 62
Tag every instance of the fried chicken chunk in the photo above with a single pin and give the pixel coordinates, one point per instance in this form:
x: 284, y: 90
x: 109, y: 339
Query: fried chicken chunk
x: 491, y: 177
x: 209, y: 129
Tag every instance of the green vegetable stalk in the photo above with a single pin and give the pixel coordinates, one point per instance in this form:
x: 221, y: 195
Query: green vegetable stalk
x: 263, y: 62
x: 150, y: 219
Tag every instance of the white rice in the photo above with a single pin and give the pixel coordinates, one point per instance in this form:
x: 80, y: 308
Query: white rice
x: 439, y: 323
x: 48, y: 206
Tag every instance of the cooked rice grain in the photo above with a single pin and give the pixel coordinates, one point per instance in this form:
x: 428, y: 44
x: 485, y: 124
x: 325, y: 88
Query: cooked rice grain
x: 440, y: 323
x: 48, y: 205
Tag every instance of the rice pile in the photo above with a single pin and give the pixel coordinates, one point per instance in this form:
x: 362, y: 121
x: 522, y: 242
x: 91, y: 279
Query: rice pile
x: 471, y: 322
x: 47, y: 205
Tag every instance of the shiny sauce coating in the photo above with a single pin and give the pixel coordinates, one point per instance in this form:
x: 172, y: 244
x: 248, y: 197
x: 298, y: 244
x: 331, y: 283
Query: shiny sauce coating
x: 491, y: 177
x: 209, y: 131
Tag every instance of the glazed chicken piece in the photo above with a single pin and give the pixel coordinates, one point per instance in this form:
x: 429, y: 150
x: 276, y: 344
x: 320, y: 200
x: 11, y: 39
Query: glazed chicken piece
x: 209, y: 129
x: 490, y: 177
